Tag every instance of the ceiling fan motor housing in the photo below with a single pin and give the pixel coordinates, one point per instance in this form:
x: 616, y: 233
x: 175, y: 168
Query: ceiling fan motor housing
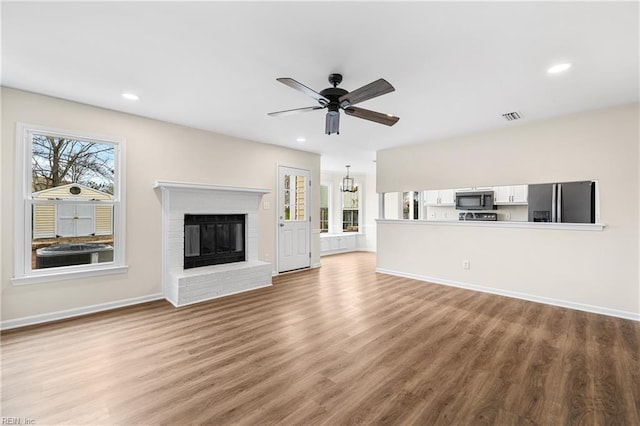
x: 333, y: 94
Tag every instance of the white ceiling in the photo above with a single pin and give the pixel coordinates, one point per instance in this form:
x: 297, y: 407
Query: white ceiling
x: 456, y: 67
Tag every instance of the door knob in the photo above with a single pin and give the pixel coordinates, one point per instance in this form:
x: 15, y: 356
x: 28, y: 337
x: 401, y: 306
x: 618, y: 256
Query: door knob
x: 282, y: 224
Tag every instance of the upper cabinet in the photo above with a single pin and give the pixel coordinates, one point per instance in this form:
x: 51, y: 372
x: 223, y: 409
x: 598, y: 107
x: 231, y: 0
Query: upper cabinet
x: 513, y: 194
x: 442, y: 197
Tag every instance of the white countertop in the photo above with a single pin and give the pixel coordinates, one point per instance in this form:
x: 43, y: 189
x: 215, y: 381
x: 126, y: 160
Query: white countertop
x: 498, y: 224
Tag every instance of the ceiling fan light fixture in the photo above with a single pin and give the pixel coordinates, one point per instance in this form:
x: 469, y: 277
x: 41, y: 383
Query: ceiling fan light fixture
x: 333, y: 123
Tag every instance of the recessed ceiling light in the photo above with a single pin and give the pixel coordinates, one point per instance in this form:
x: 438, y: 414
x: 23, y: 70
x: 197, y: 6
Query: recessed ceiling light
x: 559, y: 68
x: 130, y: 96
x: 301, y: 140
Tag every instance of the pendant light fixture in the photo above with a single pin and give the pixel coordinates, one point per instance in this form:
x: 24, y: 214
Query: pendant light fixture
x: 347, y: 183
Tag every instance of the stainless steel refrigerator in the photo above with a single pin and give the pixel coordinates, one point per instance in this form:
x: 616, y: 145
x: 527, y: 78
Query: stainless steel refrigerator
x: 567, y: 202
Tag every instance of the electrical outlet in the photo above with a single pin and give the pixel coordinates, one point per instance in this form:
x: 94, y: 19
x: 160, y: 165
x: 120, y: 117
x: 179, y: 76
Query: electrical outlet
x: 466, y: 264
x: 266, y: 256
x: 266, y: 205
x: 507, y: 215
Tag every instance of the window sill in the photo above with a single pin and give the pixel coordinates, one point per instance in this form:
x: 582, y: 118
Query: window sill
x: 38, y: 278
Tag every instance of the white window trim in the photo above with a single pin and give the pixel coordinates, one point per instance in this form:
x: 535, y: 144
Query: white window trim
x: 330, y: 206
x: 23, y: 274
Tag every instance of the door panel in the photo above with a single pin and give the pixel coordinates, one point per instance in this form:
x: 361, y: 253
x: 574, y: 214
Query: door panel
x: 302, y: 242
x: 287, y: 242
x: 540, y: 202
x: 293, y: 220
x: 577, y: 202
x: 84, y: 220
x: 66, y: 223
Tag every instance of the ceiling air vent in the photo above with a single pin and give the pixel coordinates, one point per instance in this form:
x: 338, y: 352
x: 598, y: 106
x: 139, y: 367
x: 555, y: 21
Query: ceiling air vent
x: 511, y: 116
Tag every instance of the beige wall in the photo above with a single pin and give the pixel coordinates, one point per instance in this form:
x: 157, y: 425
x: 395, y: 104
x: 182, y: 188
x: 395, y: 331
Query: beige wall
x: 587, y: 269
x: 155, y: 150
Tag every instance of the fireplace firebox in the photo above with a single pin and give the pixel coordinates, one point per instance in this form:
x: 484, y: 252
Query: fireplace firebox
x: 213, y: 239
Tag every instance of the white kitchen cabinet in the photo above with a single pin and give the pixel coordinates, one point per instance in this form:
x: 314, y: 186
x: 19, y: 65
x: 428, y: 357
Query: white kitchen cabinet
x: 325, y: 244
x: 338, y: 243
x: 448, y: 197
x: 431, y: 198
x: 442, y: 197
x: 501, y: 194
x: 513, y: 194
x: 520, y: 194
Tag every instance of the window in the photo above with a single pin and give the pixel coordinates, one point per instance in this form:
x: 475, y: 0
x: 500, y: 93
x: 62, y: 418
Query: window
x: 324, y: 208
x: 350, y: 210
x: 411, y: 205
x: 69, y: 221
x: 294, y: 197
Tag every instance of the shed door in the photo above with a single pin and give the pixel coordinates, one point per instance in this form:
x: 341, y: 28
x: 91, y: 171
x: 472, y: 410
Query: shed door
x: 75, y: 220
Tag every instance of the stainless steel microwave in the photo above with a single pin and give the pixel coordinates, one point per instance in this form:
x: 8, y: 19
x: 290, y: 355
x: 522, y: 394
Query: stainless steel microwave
x: 482, y: 200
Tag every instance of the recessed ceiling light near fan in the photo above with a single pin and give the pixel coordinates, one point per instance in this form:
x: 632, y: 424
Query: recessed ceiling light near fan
x: 335, y: 99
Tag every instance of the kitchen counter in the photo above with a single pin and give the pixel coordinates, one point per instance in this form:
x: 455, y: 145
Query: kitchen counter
x: 499, y: 224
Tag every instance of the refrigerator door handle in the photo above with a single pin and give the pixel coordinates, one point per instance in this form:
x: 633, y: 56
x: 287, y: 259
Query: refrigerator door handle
x: 559, y: 202
x: 553, y: 203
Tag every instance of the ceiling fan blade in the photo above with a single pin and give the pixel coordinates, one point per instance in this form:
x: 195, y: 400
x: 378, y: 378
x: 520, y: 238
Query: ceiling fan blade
x: 304, y: 89
x: 378, y: 117
x: 294, y: 111
x: 371, y: 90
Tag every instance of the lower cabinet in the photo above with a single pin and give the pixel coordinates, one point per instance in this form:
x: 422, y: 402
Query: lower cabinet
x: 337, y: 243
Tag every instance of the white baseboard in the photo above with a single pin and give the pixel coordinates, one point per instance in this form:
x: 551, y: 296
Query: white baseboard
x: 516, y: 295
x: 70, y: 313
x: 332, y: 252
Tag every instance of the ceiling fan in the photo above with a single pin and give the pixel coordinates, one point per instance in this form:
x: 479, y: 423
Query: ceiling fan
x: 335, y: 99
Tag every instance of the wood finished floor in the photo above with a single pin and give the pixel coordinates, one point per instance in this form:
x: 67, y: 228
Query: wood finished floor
x: 338, y: 345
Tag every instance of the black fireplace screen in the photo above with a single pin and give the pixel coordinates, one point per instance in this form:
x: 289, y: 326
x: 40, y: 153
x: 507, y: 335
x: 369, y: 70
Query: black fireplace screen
x: 212, y: 239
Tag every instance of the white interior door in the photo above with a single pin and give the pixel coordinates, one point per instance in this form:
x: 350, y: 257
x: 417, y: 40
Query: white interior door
x: 294, y: 226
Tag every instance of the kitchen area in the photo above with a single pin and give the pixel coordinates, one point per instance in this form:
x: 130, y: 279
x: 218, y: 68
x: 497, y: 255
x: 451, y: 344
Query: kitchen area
x: 559, y: 202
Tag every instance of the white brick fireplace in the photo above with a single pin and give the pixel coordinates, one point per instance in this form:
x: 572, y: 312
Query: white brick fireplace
x: 183, y: 287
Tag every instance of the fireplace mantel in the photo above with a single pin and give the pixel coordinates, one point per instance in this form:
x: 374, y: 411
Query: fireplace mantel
x: 182, y: 287
x: 166, y: 184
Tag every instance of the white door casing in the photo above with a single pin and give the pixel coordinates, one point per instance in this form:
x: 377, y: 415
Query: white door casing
x: 294, y: 226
